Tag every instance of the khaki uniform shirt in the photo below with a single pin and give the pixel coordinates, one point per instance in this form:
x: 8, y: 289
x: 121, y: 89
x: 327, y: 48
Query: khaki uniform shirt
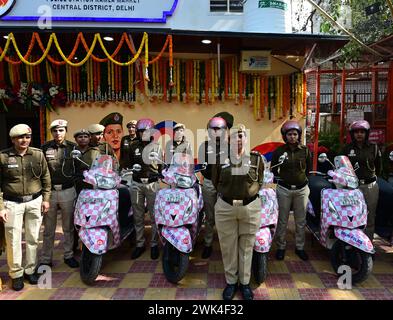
x: 173, y: 147
x: 126, y: 143
x: 136, y: 157
x: 60, y: 164
x: 213, y: 154
x: 295, y: 169
x: 239, y: 179
x: 24, y: 175
x: 368, y: 157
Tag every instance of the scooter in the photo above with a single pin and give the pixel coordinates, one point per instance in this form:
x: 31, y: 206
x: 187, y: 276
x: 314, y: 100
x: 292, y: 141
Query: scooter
x: 178, y: 214
x: 267, y: 227
x: 343, y: 217
x: 103, y: 215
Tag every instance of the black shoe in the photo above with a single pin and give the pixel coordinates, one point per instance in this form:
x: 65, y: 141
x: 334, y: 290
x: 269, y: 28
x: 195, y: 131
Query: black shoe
x: 246, y: 292
x: 32, y: 278
x: 154, y: 253
x: 72, y: 262
x: 229, y: 291
x: 280, y: 254
x: 302, y: 254
x: 137, y: 252
x: 207, y: 251
x: 17, y: 284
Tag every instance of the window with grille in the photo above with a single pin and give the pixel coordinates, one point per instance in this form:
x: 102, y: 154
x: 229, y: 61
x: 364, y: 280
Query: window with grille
x: 226, y: 5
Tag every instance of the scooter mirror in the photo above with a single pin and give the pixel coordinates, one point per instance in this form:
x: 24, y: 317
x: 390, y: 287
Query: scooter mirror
x: 391, y: 156
x: 136, y: 167
x: 76, y: 154
x: 283, y: 157
x: 322, y: 157
x: 153, y: 156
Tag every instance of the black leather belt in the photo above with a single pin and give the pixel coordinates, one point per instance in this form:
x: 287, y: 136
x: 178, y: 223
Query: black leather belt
x: 240, y: 202
x: 292, y: 187
x: 145, y: 180
x: 64, y: 186
x: 22, y: 199
x: 368, y: 181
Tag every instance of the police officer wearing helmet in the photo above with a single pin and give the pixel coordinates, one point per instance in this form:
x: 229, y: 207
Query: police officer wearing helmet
x: 369, y: 159
x: 62, y: 170
x: 179, y: 144
x: 126, y: 142
x: 25, y: 188
x: 213, y: 151
x: 145, y: 185
x: 237, y: 211
x: 292, y: 189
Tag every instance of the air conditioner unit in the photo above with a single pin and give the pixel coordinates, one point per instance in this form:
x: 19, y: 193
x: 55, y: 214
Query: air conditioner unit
x: 255, y: 61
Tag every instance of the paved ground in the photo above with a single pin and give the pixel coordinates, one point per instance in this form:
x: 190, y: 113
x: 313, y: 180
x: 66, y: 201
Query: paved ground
x: 123, y: 278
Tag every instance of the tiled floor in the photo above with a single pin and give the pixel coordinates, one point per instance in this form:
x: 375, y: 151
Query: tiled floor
x: 122, y: 278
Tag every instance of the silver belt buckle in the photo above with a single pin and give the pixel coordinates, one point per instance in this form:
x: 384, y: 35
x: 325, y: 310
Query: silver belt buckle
x: 237, y: 203
x: 361, y: 181
x: 27, y: 198
x: 293, y: 187
x: 58, y: 187
x: 145, y: 180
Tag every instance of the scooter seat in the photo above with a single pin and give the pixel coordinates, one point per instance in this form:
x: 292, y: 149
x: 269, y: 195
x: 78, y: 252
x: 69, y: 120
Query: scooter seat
x: 316, y: 185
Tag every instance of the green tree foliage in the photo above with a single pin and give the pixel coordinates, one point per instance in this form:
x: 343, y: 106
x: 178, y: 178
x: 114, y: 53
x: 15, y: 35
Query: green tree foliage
x: 368, y: 28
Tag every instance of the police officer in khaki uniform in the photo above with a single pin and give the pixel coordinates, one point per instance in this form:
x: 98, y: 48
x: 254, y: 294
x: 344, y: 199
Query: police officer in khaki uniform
x: 126, y: 142
x: 213, y: 151
x: 96, y: 148
x: 237, y: 211
x: 144, y: 187
x: 179, y: 144
x: 369, y: 160
x: 25, y: 188
x: 61, y: 167
x: 82, y: 139
x: 292, y: 189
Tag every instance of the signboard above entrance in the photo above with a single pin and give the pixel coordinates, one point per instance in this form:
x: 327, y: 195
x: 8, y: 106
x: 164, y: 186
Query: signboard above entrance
x: 147, y: 11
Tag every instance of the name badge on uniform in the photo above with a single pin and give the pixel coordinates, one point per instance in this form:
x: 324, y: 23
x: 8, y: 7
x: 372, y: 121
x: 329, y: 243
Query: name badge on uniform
x: 126, y: 143
x: 226, y: 164
x: 50, y: 153
x: 137, y: 152
x: 12, y: 163
x: 209, y: 149
x: 352, y: 153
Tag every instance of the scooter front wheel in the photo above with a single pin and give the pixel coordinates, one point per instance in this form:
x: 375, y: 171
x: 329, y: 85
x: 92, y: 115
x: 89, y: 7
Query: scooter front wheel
x: 259, y: 266
x: 360, y: 262
x: 90, y: 265
x: 174, y: 263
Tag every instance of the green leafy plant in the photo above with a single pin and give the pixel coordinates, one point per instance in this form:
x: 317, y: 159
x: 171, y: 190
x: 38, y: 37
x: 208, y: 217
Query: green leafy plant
x: 330, y: 138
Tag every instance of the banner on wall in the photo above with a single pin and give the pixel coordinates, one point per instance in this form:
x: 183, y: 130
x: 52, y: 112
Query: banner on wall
x: 147, y: 11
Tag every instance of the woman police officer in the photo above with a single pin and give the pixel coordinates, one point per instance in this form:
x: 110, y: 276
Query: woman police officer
x: 292, y: 189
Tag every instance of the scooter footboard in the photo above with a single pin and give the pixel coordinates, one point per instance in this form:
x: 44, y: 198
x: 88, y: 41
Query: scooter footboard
x: 263, y: 240
x: 95, y: 239
x: 179, y: 237
x: 356, y: 238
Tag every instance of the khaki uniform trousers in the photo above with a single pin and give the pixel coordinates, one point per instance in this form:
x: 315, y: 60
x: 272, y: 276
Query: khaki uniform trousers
x: 31, y: 212
x: 140, y: 192
x: 297, y: 199
x: 371, y: 195
x: 236, y: 229
x: 209, y: 195
x: 65, y: 201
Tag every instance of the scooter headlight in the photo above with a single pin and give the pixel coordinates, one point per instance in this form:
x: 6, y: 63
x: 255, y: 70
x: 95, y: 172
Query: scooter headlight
x: 105, y: 182
x: 183, y: 181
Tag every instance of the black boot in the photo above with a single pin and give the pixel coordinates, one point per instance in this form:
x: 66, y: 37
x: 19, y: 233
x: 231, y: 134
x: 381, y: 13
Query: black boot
x: 137, y: 252
x: 229, y: 291
x: 207, y: 251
